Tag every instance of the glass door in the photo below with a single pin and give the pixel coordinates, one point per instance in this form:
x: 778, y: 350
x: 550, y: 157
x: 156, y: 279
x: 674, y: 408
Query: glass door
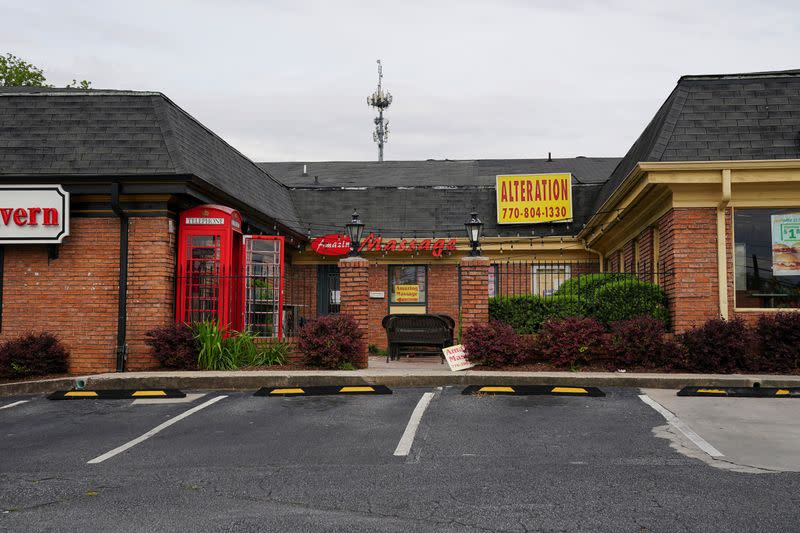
x: 328, y: 295
x: 263, y: 286
x: 203, y: 278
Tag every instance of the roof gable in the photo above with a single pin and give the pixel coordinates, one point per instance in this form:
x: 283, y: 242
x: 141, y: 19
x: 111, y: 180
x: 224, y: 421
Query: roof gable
x: 67, y: 132
x: 717, y: 118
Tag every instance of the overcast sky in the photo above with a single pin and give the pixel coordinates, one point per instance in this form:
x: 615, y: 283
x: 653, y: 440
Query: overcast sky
x: 288, y: 80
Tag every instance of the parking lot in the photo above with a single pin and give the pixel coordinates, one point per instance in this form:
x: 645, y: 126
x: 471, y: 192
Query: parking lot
x: 415, y: 460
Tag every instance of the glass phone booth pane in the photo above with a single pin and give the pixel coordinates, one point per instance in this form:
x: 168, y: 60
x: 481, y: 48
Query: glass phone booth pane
x: 203, y: 278
x: 263, y: 287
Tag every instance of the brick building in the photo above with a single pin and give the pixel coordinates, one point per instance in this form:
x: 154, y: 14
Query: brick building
x: 704, y: 203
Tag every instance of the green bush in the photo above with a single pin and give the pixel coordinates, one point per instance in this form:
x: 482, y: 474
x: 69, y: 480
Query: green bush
x: 32, y: 354
x: 374, y: 350
x: 239, y: 349
x: 626, y: 299
x: 268, y: 354
x: 215, y: 352
x: 571, y: 343
x: 526, y: 313
x: 583, y: 286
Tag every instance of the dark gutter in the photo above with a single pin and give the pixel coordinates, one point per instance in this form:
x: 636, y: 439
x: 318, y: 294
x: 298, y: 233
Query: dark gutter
x: 122, y: 300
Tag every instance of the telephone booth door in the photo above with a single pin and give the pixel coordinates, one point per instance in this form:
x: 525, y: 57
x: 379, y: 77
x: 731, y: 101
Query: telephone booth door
x: 263, y: 285
x: 209, y: 267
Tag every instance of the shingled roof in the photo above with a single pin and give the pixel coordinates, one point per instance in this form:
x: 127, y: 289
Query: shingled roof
x: 103, y: 133
x: 432, y: 196
x: 720, y: 117
x: 461, y: 173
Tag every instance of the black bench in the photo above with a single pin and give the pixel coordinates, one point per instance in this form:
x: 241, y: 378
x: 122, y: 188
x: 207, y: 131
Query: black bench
x: 417, y: 330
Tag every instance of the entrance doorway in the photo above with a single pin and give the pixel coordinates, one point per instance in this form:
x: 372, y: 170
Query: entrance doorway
x: 328, y: 295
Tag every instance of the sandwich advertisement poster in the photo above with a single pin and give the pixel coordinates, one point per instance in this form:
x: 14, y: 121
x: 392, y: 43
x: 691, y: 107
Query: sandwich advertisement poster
x: 786, y: 245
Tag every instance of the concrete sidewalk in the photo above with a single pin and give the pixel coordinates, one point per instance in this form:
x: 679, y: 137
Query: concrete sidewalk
x: 398, y: 376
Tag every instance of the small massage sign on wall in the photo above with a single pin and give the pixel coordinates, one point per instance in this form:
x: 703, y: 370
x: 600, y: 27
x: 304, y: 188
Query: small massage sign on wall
x: 534, y: 198
x: 33, y: 214
x: 334, y: 244
x: 406, y: 293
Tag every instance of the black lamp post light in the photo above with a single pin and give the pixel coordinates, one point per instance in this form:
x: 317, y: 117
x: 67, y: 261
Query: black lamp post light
x: 474, y: 230
x: 355, y: 228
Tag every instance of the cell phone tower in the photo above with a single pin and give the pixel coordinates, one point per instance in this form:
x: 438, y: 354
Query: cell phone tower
x: 380, y: 100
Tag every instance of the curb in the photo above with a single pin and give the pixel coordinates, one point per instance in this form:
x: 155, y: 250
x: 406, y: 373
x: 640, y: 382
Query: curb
x: 254, y: 381
x: 42, y: 386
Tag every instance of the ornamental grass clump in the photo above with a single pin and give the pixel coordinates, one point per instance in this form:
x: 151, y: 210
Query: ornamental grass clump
x: 572, y: 342
x: 494, y: 344
x: 219, y: 350
x: 213, y: 354
x: 265, y: 353
x: 331, y: 341
x: 33, y: 354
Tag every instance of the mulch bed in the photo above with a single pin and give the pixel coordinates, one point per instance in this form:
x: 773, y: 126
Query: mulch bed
x: 544, y: 367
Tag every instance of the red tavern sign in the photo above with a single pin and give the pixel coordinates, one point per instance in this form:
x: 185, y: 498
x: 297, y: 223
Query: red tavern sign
x: 33, y: 214
x: 331, y: 245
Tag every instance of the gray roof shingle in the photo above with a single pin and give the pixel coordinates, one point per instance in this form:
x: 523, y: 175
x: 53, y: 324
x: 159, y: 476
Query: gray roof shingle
x: 424, y: 210
x: 476, y: 172
x: 69, y: 132
x: 396, y: 197
x: 720, y: 117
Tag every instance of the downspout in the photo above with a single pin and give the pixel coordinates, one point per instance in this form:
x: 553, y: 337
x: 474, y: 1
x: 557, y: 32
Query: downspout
x: 122, y: 300
x: 722, y: 247
x: 599, y: 255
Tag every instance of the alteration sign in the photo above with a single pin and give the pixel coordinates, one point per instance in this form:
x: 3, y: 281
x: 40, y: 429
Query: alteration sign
x: 533, y: 198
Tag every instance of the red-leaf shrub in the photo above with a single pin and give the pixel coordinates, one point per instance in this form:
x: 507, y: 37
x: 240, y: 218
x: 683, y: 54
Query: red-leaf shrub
x: 719, y: 346
x: 493, y: 344
x: 572, y: 342
x: 174, y: 346
x: 779, y: 339
x: 33, y: 354
x: 331, y: 341
x: 642, y: 342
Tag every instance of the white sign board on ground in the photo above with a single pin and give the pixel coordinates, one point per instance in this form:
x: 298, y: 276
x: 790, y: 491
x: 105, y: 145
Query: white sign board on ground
x: 457, y: 357
x: 33, y: 214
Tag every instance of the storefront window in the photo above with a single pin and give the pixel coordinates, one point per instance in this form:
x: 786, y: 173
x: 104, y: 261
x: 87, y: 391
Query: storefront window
x: 767, y: 257
x: 547, y: 279
x: 408, y: 284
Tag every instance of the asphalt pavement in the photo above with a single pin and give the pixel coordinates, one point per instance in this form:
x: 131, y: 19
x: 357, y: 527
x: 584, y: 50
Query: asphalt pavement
x: 231, y: 461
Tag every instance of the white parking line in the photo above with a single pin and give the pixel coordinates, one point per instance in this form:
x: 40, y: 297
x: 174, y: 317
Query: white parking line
x: 13, y: 404
x: 404, y: 446
x: 139, y: 440
x: 678, y: 424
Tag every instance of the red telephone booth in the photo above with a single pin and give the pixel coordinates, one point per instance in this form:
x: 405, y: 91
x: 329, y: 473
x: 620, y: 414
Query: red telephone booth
x: 263, y: 285
x: 210, y: 283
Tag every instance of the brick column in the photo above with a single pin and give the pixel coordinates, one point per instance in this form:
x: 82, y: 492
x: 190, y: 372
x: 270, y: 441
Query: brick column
x: 354, y: 291
x: 688, y: 242
x: 474, y: 291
